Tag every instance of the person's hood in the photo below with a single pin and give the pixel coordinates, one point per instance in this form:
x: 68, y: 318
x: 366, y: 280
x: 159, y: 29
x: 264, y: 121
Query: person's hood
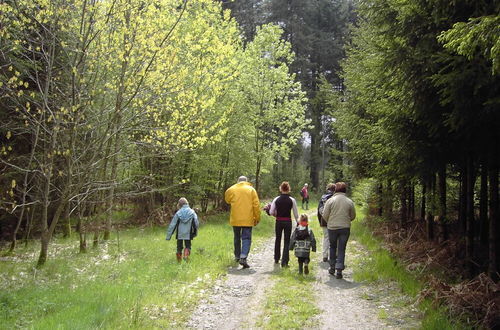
x: 185, y: 214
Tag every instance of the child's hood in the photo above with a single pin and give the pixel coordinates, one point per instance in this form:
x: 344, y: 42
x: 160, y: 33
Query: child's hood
x: 185, y: 214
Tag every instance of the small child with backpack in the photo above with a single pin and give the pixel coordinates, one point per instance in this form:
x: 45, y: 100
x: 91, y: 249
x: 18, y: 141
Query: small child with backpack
x: 185, y: 221
x: 303, y: 242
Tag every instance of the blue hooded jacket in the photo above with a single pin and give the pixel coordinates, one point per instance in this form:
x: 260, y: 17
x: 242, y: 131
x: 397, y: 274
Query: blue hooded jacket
x: 183, y: 221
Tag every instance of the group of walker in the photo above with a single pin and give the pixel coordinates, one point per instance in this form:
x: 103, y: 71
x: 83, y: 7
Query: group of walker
x: 335, y: 213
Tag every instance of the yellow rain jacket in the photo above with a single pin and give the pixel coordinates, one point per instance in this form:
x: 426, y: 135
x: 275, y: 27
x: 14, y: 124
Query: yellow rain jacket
x: 245, y: 209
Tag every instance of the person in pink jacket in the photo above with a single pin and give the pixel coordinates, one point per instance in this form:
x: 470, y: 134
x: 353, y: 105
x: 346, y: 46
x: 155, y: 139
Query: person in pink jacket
x: 305, y: 196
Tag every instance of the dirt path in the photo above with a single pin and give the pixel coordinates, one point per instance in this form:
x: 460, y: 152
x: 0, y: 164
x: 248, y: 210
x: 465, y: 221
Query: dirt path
x: 237, y: 299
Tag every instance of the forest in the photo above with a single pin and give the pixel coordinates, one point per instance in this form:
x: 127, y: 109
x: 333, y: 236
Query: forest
x: 127, y: 105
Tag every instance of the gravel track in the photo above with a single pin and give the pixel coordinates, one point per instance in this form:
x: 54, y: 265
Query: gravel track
x: 237, y: 300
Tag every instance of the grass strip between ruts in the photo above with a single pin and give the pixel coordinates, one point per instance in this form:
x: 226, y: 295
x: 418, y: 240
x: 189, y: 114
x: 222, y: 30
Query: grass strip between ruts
x: 290, y: 302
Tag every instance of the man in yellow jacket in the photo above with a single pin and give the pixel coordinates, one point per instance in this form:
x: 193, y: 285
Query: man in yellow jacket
x: 245, y: 213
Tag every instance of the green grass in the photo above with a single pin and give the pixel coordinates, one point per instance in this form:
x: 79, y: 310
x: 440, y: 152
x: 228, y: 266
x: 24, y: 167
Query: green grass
x: 380, y: 266
x: 290, y: 302
x: 138, y: 286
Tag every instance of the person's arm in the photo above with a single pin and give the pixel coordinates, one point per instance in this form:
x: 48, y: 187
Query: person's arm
x: 228, y: 196
x: 352, y: 212
x: 292, y: 241
x: 256, y: 207
x: 272, y: 210
x: 294, y: 208
x: 313, y: 242
x: 171, y: 227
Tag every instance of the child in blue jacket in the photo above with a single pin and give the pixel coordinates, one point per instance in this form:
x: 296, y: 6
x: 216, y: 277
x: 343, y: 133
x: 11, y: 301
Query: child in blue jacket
x: 186, y: 222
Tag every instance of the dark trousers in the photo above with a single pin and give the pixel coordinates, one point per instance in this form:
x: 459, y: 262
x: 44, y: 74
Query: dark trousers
x: 305, y: 200
x: 242, y: 241
x: 282, y: 227
x: 187, y: 244
x: 338, y: 242
x: 302, y: 261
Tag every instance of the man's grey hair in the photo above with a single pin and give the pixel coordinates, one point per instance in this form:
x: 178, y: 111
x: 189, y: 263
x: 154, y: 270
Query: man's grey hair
x: 242, y: 178
x: 182, y: 201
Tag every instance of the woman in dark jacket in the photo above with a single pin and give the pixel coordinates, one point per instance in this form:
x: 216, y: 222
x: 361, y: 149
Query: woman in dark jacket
x: 282, y: 207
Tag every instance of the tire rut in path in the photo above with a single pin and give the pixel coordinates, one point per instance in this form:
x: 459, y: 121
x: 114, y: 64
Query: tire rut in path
x: 342, y: 304
x: 236, y: 300
x: 340, y: 300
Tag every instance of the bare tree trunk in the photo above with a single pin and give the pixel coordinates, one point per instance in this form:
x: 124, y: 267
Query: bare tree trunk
x: 423, y: 202
x: 29, y: 222
x: 404, y: 206
x: 380, y: 200
x: 257, y: 173
x: 469, y: 216
x: 67, y: 221
x: 443, y: 221
x: 411, y: 202
x: 462, y: 209
x: 483, y: 206
x: 429, y: 218
x: 494, y: 246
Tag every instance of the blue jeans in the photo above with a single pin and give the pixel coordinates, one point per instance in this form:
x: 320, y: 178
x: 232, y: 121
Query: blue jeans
x: 242, y: 241
x: 338, y: 242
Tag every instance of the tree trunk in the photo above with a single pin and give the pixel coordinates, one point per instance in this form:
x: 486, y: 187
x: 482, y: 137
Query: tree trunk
x: 404, y: 206
x: 13, y: 243
x: 462, y: 210
x: 469, y: 216
x: 423, y: 202
x: 257, y: 174
x: 67, y: 221
x: 494, y: 246
x: 411, y: 202
x: 483, y: 207
x: 443, y: 221
x: 429, y: 218
x: 380, y: 200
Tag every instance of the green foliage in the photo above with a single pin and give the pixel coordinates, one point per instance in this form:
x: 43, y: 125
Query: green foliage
x: 478, y: 37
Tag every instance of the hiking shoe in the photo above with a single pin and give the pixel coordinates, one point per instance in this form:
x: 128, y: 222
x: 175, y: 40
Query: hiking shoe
x: 186, y: 254
x: 325, y: 259
x: 243, y: 262
x: 339, y: 274
x: 284, y: 265
x: 179, y: 257
x: 306, y: 269
x: 331, y: 271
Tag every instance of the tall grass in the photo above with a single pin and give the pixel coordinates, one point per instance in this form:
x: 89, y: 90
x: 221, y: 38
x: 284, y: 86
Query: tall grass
x: 140, y: 285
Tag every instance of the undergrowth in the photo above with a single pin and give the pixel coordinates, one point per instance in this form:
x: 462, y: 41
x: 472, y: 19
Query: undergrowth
x: 381, y: 267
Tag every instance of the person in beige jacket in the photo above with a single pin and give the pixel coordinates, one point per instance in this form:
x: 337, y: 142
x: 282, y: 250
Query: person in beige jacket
x: 338, y: 213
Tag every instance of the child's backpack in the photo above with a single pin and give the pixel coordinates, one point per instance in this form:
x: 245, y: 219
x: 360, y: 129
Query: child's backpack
x: 302, y: 234
x: 194, y: 230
